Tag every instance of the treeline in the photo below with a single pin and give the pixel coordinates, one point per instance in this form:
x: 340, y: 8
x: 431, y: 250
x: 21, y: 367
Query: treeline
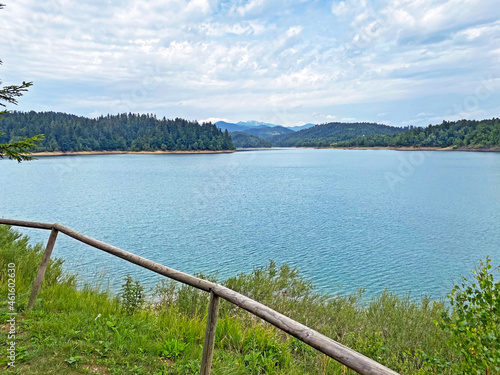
x: 123, y: 132
x: 457, y: 134
x: 326, y: 134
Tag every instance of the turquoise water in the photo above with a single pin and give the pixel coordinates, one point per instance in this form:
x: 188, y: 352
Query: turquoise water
x: 405, y: 221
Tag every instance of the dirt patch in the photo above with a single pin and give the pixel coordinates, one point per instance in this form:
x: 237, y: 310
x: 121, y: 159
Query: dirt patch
x: 94, y: 369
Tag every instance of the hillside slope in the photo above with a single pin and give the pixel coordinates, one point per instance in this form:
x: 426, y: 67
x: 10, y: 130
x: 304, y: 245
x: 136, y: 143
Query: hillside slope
x: 241, y: 139
x: 457, y: 134
x: 326, y: 134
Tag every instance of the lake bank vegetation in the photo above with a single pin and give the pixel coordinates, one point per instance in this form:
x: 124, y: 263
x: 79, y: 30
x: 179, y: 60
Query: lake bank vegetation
x: 461, y: 135
x: 160, y: 331
x: 124, y: 132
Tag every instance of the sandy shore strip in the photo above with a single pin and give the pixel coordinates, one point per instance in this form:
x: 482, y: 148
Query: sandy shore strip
x: 70, y: 153
x: 482, y: 149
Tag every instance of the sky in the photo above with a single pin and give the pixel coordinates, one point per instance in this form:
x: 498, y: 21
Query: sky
x: 397, y: 62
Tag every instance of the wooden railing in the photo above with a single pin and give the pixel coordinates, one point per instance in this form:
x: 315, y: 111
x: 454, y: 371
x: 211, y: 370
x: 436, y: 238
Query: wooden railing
x: 348, y: 357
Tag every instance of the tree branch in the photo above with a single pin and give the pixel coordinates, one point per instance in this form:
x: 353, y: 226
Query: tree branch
x: 10, y: 93
x: 20, y: 150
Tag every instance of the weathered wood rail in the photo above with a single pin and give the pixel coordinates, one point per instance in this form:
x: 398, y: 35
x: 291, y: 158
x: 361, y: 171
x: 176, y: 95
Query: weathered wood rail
x: 348, y: 357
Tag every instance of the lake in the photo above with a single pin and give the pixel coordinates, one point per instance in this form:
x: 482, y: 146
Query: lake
x: 380, y: 219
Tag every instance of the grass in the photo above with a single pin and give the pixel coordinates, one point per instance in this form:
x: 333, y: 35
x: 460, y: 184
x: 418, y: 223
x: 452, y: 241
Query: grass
x: 92, y: 331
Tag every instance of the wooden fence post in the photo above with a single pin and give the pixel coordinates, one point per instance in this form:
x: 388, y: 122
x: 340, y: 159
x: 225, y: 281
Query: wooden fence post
x: 37, y: 284
x: 208, y: 345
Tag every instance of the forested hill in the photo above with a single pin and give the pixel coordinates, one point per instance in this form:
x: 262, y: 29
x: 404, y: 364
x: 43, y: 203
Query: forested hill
x: 459, y: 134
x: 241, y: 139
x: 326, y: 134
x: 124, y: 132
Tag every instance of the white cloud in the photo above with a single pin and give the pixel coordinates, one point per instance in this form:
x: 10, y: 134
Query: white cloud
x: 340, y: 8
x: 283, y: 60
x: 218, y: 29
x: 250, y: 7
x: 293, y: 31
x: 213, y: 120
x: 473, y: 34
x: 348, y: 7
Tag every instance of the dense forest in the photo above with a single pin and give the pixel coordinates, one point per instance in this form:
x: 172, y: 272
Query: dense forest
x: 326, y: 134
x: 458, y: 134
x: 124, y: 132
x: 241, y: 139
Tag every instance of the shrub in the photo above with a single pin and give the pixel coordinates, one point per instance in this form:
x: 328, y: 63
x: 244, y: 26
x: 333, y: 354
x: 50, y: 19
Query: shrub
x: 132, y: 295
x: 474, y: 322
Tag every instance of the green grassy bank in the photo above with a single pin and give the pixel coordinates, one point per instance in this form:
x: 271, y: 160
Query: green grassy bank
x: 87, y: 330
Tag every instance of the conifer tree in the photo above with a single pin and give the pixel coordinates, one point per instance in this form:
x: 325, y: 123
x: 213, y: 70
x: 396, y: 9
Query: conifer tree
x: 19, y: 150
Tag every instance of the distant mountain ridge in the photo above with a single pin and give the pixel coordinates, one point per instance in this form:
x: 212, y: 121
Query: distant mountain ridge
x: 258, y: 129
x: 241, y: 126
x: 230, y: 127
x: 301, y: 127
x: 255, y: 124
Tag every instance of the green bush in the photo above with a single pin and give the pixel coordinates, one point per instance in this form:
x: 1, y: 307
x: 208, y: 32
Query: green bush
x: 132, y: 295
x: 474, y: 322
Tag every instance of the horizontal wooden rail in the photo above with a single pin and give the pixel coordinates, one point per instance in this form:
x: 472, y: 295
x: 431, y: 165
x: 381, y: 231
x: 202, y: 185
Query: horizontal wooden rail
x: 27, y: 224
x: 348, y: 357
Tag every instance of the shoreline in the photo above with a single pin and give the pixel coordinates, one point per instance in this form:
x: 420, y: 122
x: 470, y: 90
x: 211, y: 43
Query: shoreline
x: 71, y: 153
x: 411, y: 148
x: 158, y: 152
